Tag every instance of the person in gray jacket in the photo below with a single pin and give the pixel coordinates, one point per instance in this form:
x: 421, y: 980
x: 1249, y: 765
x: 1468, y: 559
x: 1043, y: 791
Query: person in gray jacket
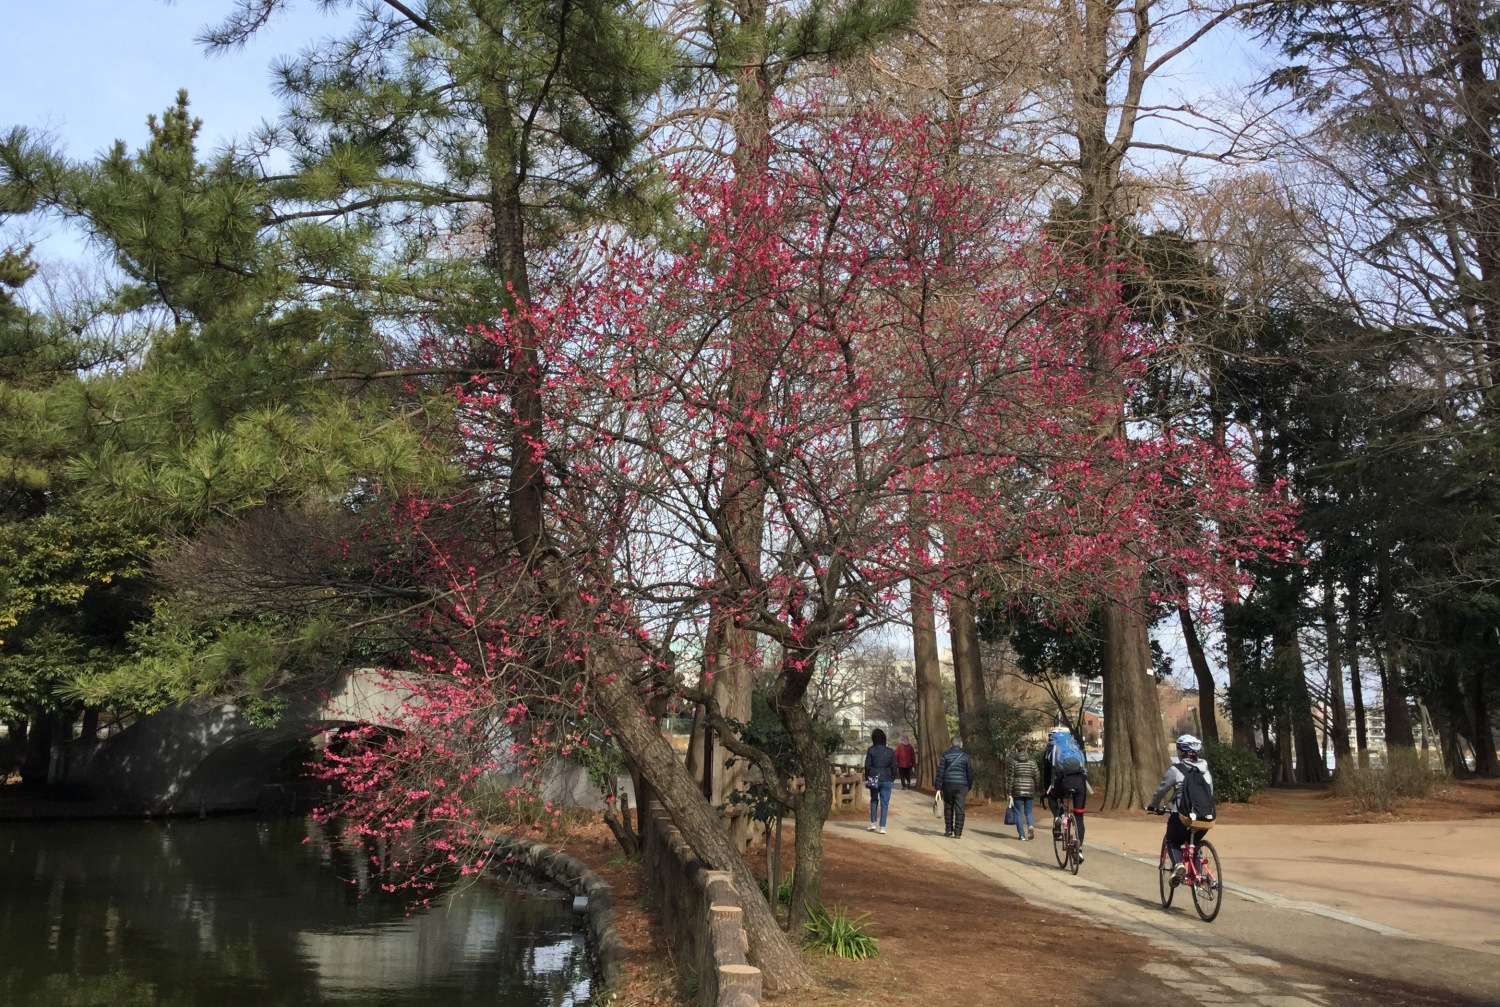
x: 1023, y: 779
x: 954, y: 778
x: 1189, y: 760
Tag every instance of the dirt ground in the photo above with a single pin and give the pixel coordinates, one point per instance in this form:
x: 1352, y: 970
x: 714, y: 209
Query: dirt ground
x: 946, y: 935
x: 1455, y: 801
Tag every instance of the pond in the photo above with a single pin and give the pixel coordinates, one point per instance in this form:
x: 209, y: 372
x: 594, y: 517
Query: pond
x: 261, y: 913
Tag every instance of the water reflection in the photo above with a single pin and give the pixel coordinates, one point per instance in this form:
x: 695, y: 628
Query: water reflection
x: 237, y: 912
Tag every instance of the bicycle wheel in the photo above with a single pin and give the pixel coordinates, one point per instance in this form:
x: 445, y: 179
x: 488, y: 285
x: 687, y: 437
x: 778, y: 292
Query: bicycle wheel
x: 1208, y: 893
x: 1164, y: 877
x: 1060, y: 842
x: 1074, y: 860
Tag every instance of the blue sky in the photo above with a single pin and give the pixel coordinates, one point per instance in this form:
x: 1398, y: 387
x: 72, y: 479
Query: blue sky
x: 89, y: 71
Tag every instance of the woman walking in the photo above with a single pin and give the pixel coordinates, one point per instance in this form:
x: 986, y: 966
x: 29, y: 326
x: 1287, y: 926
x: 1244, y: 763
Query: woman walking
x: 880, y: 773
x: 906, y: 760
x: 1023, y: 779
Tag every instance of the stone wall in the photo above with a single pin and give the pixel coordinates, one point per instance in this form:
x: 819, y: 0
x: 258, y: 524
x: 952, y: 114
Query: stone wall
x: 570, y: 872
x: 702, y: 917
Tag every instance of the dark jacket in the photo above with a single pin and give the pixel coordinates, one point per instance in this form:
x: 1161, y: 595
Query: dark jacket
x: 954, y: 770
x: 880, y: 763
x: 1022, y: 777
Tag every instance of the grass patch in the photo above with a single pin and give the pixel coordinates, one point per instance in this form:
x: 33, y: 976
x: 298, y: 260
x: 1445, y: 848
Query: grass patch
x: 835, y: 932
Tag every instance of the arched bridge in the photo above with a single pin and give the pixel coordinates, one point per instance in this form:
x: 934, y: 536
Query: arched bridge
x: 201, y: 757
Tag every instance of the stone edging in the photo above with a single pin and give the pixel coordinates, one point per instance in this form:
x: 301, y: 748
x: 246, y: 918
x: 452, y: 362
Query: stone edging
x: 703, y: 918
x: 606, y: 948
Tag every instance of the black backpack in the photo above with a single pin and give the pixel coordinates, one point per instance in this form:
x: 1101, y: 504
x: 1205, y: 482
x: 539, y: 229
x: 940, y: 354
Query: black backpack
x: 1196, y: 798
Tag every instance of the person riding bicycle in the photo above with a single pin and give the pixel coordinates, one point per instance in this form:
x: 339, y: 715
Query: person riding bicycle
x: 1065, y: 772
x: 1186, y: 779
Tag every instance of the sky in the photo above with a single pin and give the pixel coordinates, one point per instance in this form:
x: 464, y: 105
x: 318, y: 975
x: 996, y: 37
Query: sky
x: 88, y: 72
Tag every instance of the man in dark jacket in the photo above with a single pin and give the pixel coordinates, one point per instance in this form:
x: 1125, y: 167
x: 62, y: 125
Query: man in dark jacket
x: 954, y: 778
x: 880, y: 773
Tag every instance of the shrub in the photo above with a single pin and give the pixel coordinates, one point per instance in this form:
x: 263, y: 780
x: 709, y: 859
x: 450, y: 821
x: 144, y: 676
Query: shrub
x: 11, y: 753
x: 1381, y: 788
x: 1238, y: 772
x: 990, y: 734
x: 783, y: 889
x: 833, y: 932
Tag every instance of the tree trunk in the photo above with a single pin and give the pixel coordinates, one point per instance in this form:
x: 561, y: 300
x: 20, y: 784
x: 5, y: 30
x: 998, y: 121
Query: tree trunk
x: 1285, y: 754
x: 1309, y: 766
x: 817, y: 794
x: 1398, y: 730
x: 694, y: 759
x: 1453, y: 761
x: 1338, y: 717
x: 1485, y: 762
x: 781, y: 966
x: 1208, y: 706
x: 1361, y: 724
x: 37, y: 760
x: 1356, y: 682
x: 1135, y: 743
x: 773, y: 867
x: 968, y: 676
x: 932, y: 715
x: 1241, y: 717
x: 730, y: 650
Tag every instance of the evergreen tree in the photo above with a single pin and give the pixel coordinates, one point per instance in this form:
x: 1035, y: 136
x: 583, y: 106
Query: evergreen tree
x: 217, y: 406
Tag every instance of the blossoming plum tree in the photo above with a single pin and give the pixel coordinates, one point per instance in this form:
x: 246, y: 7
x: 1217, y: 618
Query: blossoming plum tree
x: 918, y: 354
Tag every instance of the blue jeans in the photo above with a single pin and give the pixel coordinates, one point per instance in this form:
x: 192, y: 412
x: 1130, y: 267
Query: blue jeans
x: 881, y: 797
x: 1023, y: 815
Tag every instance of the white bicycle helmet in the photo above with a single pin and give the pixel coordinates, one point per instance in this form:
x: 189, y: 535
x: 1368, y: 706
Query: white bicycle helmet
x: 1188, y: 745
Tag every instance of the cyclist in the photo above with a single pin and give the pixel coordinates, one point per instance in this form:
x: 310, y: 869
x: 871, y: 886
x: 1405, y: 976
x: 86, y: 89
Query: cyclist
x: 1188, y: 764
x: 1065, y: 773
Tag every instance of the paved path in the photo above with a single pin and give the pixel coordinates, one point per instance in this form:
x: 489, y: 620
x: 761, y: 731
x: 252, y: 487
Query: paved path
x: 1438, y: 881
x: 1260, y: 951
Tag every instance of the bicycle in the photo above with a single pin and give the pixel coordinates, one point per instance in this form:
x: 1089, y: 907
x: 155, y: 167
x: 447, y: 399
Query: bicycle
x: 1064, y: 836
x: 1201, y: 874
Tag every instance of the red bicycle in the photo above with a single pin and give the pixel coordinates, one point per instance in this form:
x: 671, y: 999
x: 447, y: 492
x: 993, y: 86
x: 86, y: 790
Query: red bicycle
x: 1201, y: 875
x: 1065, y: 837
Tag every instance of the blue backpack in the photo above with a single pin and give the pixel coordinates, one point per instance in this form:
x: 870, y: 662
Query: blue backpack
x: 1067, y: 755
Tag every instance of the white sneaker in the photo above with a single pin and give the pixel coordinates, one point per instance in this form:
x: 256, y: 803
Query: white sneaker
x: 882, y: 830
x: 873, y: 826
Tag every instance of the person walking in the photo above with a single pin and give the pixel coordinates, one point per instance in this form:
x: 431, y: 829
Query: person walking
x: 906, y: 760
x: 1023, y: 779
x: 880, y: 773
x: 954, y: 778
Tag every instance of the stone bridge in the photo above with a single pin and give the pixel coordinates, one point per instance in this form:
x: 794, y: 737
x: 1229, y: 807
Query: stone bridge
x: 202, y: 758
